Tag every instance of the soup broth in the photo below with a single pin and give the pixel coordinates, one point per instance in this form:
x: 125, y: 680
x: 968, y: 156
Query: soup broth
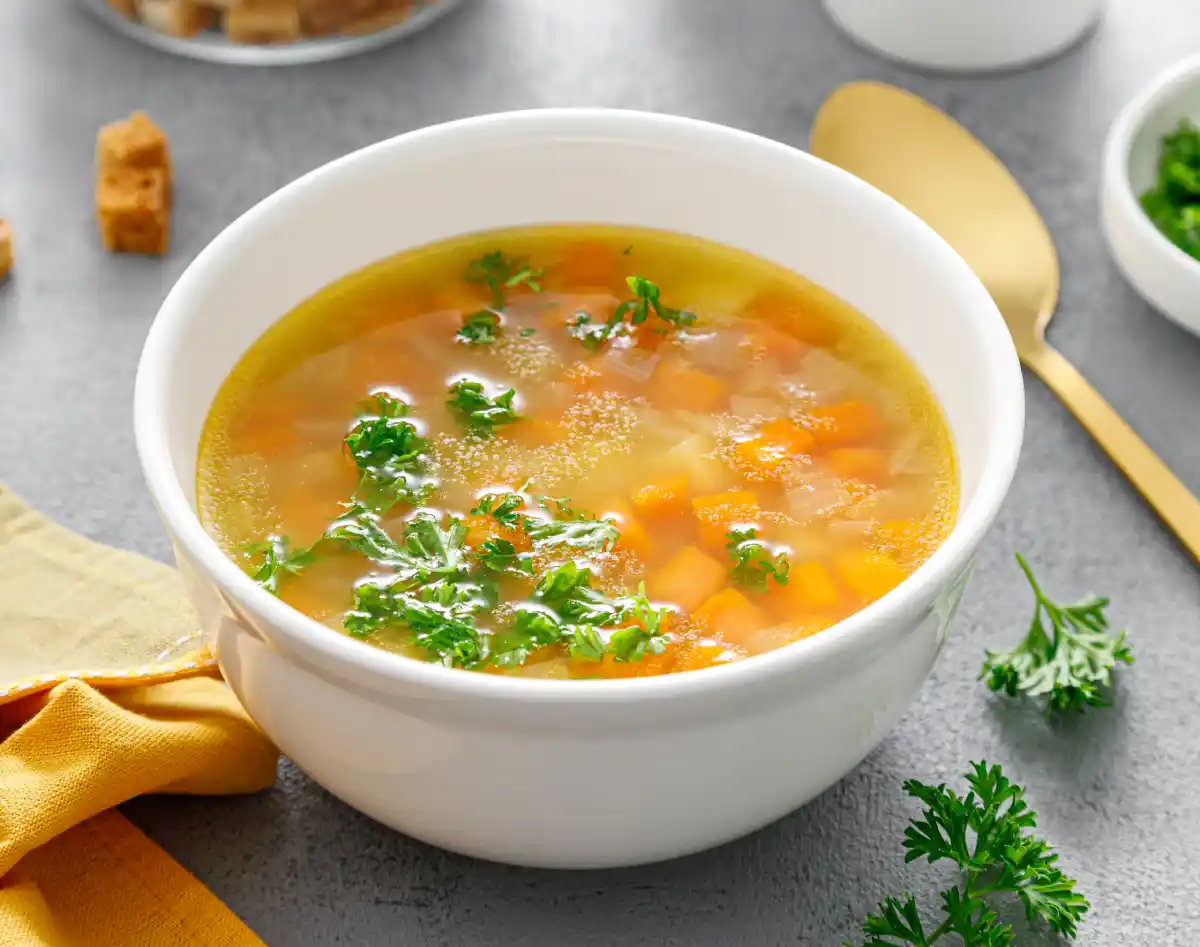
x: 576, y: 452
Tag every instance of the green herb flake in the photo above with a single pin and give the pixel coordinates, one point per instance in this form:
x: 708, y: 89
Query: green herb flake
x: 1069, y: 663
x: 526, y: 333
x: 479, y: 328
x: 271, y: 560
x: 988, y: 834
x: 481, y: 413
x: 753, y: 561
x: 1173, y: 203
x: 501, y: 556
x: 500, y: 273
x: 390, y: 453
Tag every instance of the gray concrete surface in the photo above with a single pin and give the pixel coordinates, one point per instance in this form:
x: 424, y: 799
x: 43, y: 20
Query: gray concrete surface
x: 1117, y: 790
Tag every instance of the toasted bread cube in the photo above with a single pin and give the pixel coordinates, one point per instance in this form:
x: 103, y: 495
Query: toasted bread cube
x: 6, y: 248
x: 133, y: 211
x: 126, y: 8
x: 134, y: 142
x: 263, y: 21
x: 176, y: 17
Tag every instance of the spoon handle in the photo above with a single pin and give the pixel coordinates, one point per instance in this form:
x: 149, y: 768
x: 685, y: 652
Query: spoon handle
x: 1177, y: 506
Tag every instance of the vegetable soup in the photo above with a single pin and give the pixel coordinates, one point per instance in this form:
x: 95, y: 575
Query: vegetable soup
x: 576, y: 452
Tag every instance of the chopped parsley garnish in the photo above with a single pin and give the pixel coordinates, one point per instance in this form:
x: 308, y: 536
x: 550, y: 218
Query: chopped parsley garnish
x: 440, y: 618
x: 1173, y: 203
x: 277, y: 561
x: 502, y: 507
x: 479, y: 328
x: 593, y: 335
x: 988, y: 834
x: 501, y: 556
x: 582, y: 531
x: 646, y: 301
x: 753, y: 562
x: 500, y: 273
x: 526, y: 333
x: 389, y: 453
x: 1069, y: 663
x: 645, y: 636
x: 481, y: 413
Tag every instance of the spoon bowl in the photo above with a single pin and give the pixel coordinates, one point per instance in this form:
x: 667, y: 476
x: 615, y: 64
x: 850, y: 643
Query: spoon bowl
x: 920, y: 156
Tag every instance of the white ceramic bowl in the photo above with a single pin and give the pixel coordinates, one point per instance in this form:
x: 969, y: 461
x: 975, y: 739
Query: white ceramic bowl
x: 966, y: 35
x: 1163, y: 275
x: 578, y: 773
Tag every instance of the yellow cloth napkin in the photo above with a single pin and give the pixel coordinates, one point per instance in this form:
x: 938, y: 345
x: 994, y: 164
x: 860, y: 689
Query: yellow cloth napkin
x: 105, y: 694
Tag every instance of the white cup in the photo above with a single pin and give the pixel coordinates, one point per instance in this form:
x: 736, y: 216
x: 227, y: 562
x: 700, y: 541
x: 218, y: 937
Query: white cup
x: 966, y: 35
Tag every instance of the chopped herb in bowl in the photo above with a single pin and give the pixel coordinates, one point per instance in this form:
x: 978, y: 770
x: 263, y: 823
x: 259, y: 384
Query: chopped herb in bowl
x: 1173, y: 203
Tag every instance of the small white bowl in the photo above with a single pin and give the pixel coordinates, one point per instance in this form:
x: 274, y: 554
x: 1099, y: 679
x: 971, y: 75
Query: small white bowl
x: 967, y: 35
x: 1163, y: 275
x: 578, y: 773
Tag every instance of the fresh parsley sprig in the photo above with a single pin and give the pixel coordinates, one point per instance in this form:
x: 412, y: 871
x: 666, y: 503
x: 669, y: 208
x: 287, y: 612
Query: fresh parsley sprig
x: 390, y: 453
x: 479, y: 328
x: 646, y: 301
x: 988, y: 834
x: 480, y: 412
x: 277, y: 560
x: 1173, y: 203
x: 1068, y: 659
x: 501, y: 272
x: 753, y: 562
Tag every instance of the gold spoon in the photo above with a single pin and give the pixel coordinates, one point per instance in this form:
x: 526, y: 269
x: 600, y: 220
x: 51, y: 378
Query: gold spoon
x: 936, y: 168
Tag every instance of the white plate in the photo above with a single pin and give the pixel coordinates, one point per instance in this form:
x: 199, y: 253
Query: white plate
x: 213, y: 46
x: 1163, y: 275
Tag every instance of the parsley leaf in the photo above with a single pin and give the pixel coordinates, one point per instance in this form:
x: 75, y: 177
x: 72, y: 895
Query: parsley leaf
x: 645, y: 636
x: 499, y: 555
x: 753, y: 562
x: 502, y: 507
x: 646, y: 299
x: 277, y: 561
x: 479, y: 328
x: 571, y: 528
x: 439, y: 617
x: 1070, y: 663
x: 481, y: 413
x: 500, y: 273
x: 988, y: 835
x: 389, y: 453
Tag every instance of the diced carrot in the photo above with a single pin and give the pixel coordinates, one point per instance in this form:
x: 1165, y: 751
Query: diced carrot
x: 634, y: 537
x: 590, y: 264
x: 481, y: 526
x: 812, y: 584
x: 679, y: 386
x: 844, y: 424
x: 662, y: 499
x: 731, y: 615
x: 795, y: 315
x: 761, y: 455
x: 595, y: 376
x: 789, y: 433
x: 782, y: 346
x: 688, y: 579
x: 533, y: 432
x: 716, y: 513
x: 698, y: 655
x: 649, y: 666
x: 868, y: 574
x: 868, y: 464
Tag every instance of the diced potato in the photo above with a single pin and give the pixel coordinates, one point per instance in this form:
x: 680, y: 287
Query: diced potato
x: 845, y: 424
x: 662, y: 499
x: 688, y: 579
x: 634, y: 537
x: 868, y: 464
x: 680, y: 387
x: 731, y: 615
x: 794, y: 628
x: 870, y: 575
x: 715, y: 514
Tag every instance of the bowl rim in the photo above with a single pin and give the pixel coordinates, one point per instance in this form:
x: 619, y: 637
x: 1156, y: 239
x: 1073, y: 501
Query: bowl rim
x: 388, y: 673
x: 1118, y: 148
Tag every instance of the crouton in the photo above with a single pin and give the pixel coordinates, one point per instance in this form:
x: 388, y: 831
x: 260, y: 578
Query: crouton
x: 133, y: 210
x: 183, y: 18
x: 6, y: 248
x: 263, y: 21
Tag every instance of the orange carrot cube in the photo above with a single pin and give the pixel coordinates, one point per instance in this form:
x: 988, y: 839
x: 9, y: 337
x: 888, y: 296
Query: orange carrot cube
x: 867, y: 464
x: 688, y: 579
x: 705, y: 654
x: 717, y: 513
x: 683, y: 388
x: 795, y: 315
x: 844, y: 424
x: 662, y: 499
x: 868, y: 574
x: 731, y: 615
